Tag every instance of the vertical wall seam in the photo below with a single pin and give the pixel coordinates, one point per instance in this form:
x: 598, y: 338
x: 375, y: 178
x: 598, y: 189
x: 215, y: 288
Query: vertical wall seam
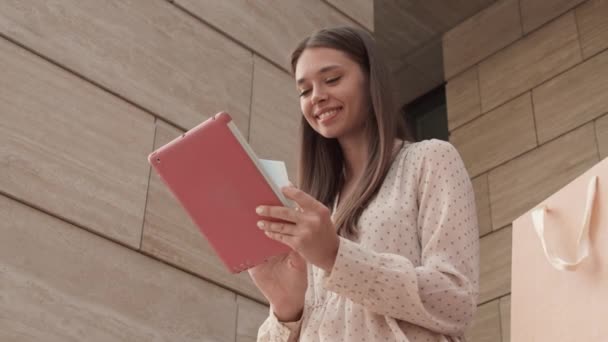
x: 521, y: 19
x: 597, y: 139
x: 534, y: 117
x: 578, y: 34
x: 227, y: 36
x: 143, y: 221
x: 251, y: 97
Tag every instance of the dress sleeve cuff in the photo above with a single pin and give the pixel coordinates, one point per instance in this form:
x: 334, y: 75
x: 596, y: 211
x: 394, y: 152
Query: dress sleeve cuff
x: 284, y: 331
x: 353, y: 273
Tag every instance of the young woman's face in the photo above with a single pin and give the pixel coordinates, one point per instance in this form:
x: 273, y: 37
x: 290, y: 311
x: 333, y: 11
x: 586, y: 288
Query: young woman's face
x: 334, y: 95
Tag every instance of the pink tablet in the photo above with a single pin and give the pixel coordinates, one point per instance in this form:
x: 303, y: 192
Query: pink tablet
x: 215, y: 175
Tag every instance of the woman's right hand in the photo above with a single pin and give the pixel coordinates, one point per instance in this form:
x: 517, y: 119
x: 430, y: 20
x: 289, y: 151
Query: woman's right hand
x: 283, y: 281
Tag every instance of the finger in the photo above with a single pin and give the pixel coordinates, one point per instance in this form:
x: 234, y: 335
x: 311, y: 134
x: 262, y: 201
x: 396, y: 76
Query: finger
x: 278, y: 227
x: 304, y: 200
x: 282, y: 213
x: 285, y: 239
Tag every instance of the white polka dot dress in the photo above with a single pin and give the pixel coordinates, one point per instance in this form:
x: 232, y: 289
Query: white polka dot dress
x: 412, y: 274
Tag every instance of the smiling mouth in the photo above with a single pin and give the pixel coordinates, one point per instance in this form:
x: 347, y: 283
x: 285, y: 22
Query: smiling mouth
x: 328, y: 114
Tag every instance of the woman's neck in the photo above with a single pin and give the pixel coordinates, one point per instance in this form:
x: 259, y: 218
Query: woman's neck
x: 356, y: 155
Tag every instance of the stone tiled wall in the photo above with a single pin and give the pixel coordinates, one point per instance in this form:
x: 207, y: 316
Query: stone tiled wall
x: 528, y: 111
x: 92, y: 246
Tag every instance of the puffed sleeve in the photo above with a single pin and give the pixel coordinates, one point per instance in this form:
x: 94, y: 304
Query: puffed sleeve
x: 441, y: 293
x: 274, y: 331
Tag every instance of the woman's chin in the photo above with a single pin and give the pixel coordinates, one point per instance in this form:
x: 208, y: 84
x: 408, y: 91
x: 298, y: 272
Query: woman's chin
x: 328, y: 134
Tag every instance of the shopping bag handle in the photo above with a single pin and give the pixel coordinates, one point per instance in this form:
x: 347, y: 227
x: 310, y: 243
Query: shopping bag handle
x: 583, y: 244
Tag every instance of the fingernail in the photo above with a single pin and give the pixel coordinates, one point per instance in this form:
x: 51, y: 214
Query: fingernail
x: 259, y: 210
x: 261, y: 224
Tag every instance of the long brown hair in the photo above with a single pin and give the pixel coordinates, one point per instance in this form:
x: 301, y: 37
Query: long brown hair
x: 320, y: 170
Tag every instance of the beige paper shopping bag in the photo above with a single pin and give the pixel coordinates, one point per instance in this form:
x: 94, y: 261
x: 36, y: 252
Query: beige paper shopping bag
x: 560, y: 265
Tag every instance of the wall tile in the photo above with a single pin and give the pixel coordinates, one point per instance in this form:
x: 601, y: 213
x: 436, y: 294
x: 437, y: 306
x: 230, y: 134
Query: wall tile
x: 360, y: 10
x: 520, y: 184
x: 486, y: 324
x: 147, y: 51
x: 275, y: 116
x: 495, y: 264
x: 412, y: 24
x: 270, y: 28
x: 572, y: 98
x: 480, y: 36
x: 529, y: 62
x: 592, y: 18
x: 535, y: 13
x: 497, y: 136
x: 70, y: 148
x: 62, y: 283
x: 170, y: 235
x: 251, y: 315
x: 462, y: 96
x: 482, y: 202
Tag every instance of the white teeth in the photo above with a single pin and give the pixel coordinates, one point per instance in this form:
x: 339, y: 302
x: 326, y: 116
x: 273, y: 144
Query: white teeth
x: 331, y: 112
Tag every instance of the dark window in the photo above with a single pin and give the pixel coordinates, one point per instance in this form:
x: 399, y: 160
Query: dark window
x: 427, y: 116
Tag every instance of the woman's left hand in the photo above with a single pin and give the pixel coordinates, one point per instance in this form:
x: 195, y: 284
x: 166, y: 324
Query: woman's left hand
x: 308, y: 229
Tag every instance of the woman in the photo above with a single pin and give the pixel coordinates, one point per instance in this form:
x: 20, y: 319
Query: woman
x: 385, y: 237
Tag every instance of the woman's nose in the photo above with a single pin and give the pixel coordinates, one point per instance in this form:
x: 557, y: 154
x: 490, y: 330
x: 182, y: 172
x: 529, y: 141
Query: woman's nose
x: 318, y: 95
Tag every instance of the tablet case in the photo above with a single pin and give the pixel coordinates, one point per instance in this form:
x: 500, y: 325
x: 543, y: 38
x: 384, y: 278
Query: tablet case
x: 214, y: 174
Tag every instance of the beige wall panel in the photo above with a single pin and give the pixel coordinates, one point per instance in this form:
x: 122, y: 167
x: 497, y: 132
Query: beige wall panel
x: 147, y: 51
x: 522, y: 183
x: 572, y: 98
x: 535, y: 13
x: 495, y: 265
x: 170, y: 235
x: 480, y: 36
x: 360, y: 10
x: 601, y: 130
x: 250, y: 316
x: 497, y: 136
x: 71, y: 148
x: 486, y: 324
x: 482, y: 202
x: 505, y: 318
x: 270, y: 28
x: 62, y: 283
x: 529, y: 62
x: 462, y: 96
x: 592, y: 20
x: 275, y: 116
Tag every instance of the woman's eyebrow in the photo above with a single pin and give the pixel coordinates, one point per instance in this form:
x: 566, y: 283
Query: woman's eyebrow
x: 322, y: 70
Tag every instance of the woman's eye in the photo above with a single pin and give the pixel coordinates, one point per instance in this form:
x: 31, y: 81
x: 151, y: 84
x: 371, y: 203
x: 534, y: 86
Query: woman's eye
x: 304, y: 92
x: 333, y: 80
